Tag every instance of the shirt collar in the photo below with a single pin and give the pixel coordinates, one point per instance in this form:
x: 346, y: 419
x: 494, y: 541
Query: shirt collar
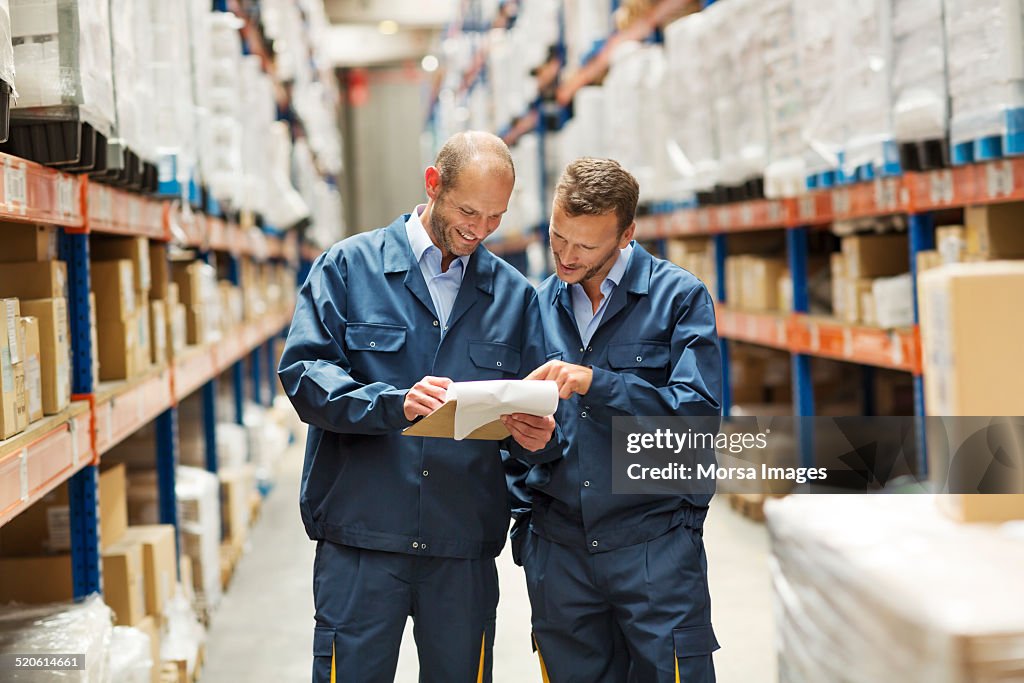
x: 420, y: 241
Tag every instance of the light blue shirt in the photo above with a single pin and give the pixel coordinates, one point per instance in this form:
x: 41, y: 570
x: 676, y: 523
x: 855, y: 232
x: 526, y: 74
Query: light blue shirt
x: 588, y: 320
x: 444, y: 287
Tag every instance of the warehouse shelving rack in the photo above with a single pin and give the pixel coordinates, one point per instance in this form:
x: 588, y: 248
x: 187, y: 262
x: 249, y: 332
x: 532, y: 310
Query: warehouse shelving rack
x: 68, y: 446
x: 916, y: 195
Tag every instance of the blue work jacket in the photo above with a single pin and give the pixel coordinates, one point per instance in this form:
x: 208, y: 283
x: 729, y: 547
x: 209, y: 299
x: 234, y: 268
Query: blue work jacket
x: 655, y: 353
x: 364, y: 331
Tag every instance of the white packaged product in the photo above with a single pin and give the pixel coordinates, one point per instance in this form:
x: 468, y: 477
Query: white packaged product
x: 919, y: 91
x: 588, y: 24
x: 62, y: 57
x: 131, y: 656
x: 6, y: 47
x: 198, y: 493
x: 817, y: 26
x: 183, y: 634
x: 693, y: 140
x: 83, y: 628
x: 884, y: 588
x: 784, y: 175
x: 986, y: 70
x: 894, y: 300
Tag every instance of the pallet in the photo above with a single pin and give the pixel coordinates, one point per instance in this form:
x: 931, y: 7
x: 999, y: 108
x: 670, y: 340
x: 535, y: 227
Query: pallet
x: 176, y: 671
x: 925, y: 155
x: 751, y: 505
x: 230, y: 554
x: 1008, y: 144
x: 749, y: 190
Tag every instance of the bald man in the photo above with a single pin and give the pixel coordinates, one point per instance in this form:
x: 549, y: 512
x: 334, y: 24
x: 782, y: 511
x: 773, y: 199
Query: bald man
x: 407, y: 526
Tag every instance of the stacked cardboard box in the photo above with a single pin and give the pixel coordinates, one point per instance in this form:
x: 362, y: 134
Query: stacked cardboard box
x: 856, y: 269
x: 197, y: 288
x: 54, y: 351
x: 10, y: 344
x: 694, y: 254
x: 117, y: 318
x: 135, y: 250
x: 752, y: 282
x: 994, y: 232
x: 29, y: 332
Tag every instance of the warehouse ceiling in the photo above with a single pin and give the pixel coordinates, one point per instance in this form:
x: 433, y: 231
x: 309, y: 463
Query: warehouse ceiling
x: 378, y: 32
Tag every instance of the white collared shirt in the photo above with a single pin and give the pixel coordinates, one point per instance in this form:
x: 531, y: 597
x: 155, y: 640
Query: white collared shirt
x: 587, y: 319
x: 443, y: 287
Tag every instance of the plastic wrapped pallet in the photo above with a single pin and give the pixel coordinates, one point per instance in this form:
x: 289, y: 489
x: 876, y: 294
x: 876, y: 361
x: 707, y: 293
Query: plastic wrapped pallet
x: 83, y: 628
x: 588, y: 24
x: 199, y: 519
x: 258, y: 113
x: 131, y: 658
x: 62, y: 57
x: 739, y: 101
x: 986, y: 71
x: 6, y: 46
x: 784, y: 175
x: 877, y: 589
x: 183, y: 635
x: 865, y: 63
x: 693, y: 135
x: 823, y: 130
x: 133, y: 91
x: 920, y: 96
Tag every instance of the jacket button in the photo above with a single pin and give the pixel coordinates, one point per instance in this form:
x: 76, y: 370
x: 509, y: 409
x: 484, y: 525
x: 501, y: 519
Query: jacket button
x: 499, y: 363
x: 593, y: 543
x: 590, y: 348
x: 415, y: 544
x: 426, y: 473
x: 583, y: 414
x: 639, y: 358
x: 582, y: 350
x: 436, y: 323
x: 586, y: 483
x: 423, y: 547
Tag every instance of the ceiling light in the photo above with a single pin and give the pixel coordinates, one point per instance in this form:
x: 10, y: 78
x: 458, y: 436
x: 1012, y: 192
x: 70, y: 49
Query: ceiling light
x: 429, y: 63
x: 388, y: 27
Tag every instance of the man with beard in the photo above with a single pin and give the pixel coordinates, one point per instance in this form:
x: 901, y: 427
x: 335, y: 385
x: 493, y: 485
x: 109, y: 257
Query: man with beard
x: 618, y: 583
x: 407, y: 526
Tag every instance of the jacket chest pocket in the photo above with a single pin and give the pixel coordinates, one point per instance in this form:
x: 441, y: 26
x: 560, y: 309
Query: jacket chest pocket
x: 494, y: 359
x: 646, y: 359
x: 374, y: 337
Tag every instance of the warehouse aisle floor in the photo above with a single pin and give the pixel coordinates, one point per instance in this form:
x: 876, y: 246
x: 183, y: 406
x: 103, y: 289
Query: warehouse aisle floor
x: 263, y: 629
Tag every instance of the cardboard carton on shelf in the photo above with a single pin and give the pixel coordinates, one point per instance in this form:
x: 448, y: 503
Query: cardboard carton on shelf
x: 54, y: 351
x: 113, y: 285
x: 28, y: 243
x: 34, y: 280
x: 118, y: 342
x: 124, y: 587
x: 20, y: 398
x: 9, y: 315
x: 158, y: 558
x: 993, y: 231
x: 158, y: 331
x: 871, y: 256
x: 160, y: 273
x: 135, y: 249
x: 971, y: 326
x: 33, y: 367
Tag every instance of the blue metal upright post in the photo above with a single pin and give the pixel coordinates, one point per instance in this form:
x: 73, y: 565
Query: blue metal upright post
x: 721, y: 253
x: 84, y: 515
x: 254, y: 368
x: 83, y: 487
x: 922, y: 238
x: 803, y: 386
x: 237, y: 373
x: 210, y: 424
x: 166, y: 469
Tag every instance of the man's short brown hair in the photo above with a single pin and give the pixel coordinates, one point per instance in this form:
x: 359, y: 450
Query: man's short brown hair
x: 595, y: 187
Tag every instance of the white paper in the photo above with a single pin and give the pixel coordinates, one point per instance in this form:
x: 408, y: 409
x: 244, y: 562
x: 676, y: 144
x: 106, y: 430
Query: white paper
x: 482, y: 402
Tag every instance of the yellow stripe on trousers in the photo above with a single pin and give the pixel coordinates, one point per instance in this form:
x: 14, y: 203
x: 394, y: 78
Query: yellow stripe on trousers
x: 540, y: 657
x: 480, y: 671
x: 676, y: 654
x: 334, y: 673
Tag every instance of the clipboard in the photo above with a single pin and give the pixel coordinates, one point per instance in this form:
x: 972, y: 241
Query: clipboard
x: 440, y: 424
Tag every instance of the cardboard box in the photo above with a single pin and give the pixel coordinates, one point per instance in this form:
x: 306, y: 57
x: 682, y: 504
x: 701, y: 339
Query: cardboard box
x: 54, y: 351
x: 195, y: 325
x: 113, y: 285
x: 893, y: 301
x: 10, y: 311
x: 124, y: 586
x: 784, y: 292
x: 761, y: 283
x: 868, y: 310
x: 994, y: 231
x: 33, y: 367
x: 20, y: 398
x: 94, y: 335
x: 978, y: 507
x: 158, y: 331
x: 235, y: 485
x: 951, y: 243
x: 35, y: 580
x: 144, y: 348
x: 173, y: 295
x: 160, y: 275
x: 971, y: 326
x: 9, y: 315
x: 134, y: 249
x: 151, y: 627
x: 28, y: 243
x: 734, y: 280
x: 927, y: 260
x: 42, y: 280
x: 855, y: 289
x: 42, y: 529
x: 177, y: 330
x: 113, y: 505
x: 196, y: 282
x: 871, y: 256
x: 158, y: 559
x: 118, y: 348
